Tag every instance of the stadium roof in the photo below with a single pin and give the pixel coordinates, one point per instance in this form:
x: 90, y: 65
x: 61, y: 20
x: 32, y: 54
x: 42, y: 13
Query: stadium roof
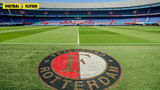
x: 115, y: 4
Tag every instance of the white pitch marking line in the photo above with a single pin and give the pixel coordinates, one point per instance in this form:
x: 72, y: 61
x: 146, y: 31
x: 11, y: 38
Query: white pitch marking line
x: 78, y: 37
x: 121, y: 43
x: 42, y: 43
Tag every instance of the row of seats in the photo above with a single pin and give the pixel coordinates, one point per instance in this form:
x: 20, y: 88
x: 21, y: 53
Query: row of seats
x: 155, y: 19
x: 115, y: 12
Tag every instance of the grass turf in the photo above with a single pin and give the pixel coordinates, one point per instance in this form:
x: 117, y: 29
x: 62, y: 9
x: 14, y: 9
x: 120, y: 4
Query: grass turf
x: 140, y: 62
x: 107, y: 35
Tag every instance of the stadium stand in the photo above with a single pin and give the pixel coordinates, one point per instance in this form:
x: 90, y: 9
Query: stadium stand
x: 142, y: 12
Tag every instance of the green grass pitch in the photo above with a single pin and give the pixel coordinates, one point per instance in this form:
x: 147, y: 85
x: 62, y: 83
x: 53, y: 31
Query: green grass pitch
x: 136, y: 48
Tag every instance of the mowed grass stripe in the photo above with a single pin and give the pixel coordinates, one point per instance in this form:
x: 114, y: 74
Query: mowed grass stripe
x: 137, y: 27
x: 96, y: 35
x: 66, y: 35
x: 143, y: 32
x: 12, y: 27
x: 150, y: 29
x: 17, y: 34
x: 15, y: 27
x: 26, y: 28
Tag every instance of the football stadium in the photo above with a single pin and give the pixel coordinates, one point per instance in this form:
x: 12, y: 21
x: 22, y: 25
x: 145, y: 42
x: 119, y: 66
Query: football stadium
x: 116, y: 45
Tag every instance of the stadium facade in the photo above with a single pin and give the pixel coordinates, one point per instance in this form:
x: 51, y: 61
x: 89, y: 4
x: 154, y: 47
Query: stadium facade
x: 131, y: 12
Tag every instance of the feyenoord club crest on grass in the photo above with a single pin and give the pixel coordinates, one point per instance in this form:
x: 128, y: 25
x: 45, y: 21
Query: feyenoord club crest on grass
x: 79, y: 69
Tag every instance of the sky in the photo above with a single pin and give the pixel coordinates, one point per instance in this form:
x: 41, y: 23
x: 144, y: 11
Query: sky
x: 73, y: 1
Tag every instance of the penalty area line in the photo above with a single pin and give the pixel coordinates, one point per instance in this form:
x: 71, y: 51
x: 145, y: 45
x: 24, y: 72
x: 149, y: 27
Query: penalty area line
x: 40, y: 43
x: 106, y: 44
